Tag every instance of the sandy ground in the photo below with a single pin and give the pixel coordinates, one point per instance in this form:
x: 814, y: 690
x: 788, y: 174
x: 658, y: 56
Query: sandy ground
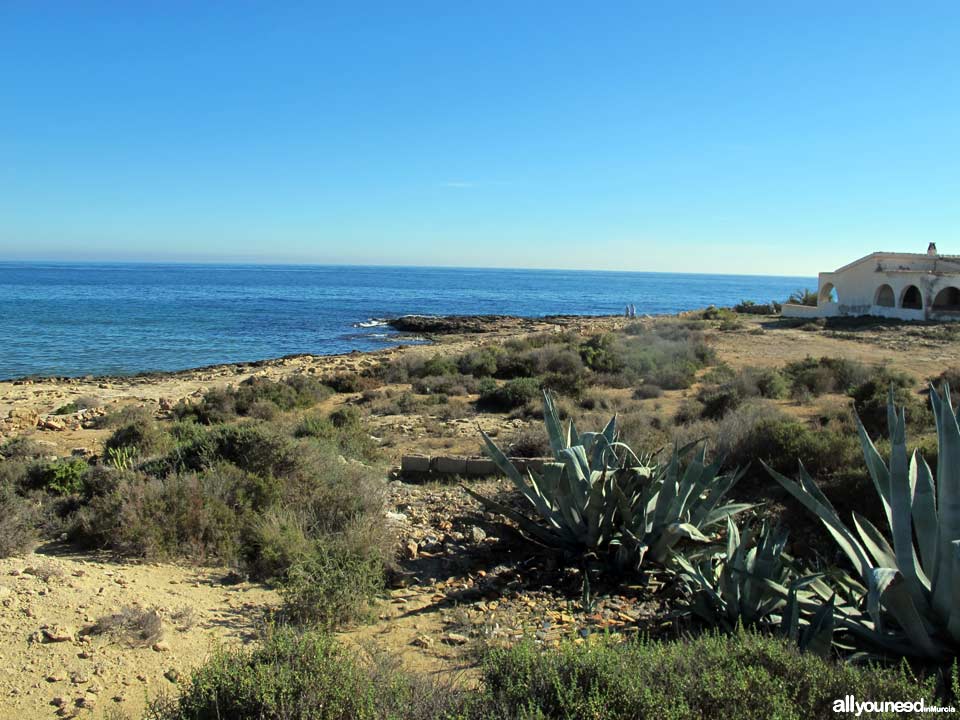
x: 49, y: 667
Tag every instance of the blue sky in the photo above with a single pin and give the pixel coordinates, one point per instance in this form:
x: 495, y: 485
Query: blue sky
x: 779, y: 138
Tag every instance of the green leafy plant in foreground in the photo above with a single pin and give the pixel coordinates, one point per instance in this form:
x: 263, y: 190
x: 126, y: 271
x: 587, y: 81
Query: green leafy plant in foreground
x: 599, y: 498
x: 904, y: 597
x: 752, y: 581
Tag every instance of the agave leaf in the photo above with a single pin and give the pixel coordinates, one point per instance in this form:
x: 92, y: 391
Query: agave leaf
x: 721, y: 513
x: 925, y: 519
x: 671, y: 535
x: 552, y: 421
x: 903, y: 480
x: 894, y: 595
x: 828, y: 516
x: 874, y: 541
x: 948, y: 500
x: 953, y: 623
x: 818, y: 636
x: 876, y: 467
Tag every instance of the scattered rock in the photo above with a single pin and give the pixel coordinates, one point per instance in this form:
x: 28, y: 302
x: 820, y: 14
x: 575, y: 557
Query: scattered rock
x: 56, y: 633
x: 413, y: 549
x: 452, y: 638
x: 172, y: 675
x: 477, y: 535
x: 422, y: 641
x: 161, y: 646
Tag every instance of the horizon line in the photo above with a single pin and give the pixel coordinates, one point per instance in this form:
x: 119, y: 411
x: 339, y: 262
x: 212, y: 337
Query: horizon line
x: 293, y: 264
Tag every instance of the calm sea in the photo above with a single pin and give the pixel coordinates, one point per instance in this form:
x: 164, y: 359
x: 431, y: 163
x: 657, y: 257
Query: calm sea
x: 80, y: 319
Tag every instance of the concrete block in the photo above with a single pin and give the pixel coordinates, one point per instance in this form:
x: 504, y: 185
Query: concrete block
x: 449, y: 465
x: 415, y: 464
x: 480, y: 467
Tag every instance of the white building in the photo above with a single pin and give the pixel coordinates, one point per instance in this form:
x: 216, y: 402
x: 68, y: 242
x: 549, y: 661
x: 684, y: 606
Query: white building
x: 908, y: 286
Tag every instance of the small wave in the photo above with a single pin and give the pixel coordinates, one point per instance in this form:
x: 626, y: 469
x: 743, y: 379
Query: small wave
x: 371, y: 322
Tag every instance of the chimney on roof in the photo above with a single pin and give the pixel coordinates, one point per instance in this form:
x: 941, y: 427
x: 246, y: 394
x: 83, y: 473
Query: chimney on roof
x: 932, y: 249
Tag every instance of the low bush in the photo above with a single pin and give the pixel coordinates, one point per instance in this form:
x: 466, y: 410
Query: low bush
x: 531, y: 442
x: 254, y: 397
x: 647, y: 391
x: 738, y: 677
x: 446, y: 385
x: 754, y: 433
x: 509, y: 396
x: 825, y: 375
x: 303, y: 676
x: 61, y: 477
x: 17, y: 521
x: 479, y: 363
x: 143, y: 437
x: 20, y: 448
x: 333, y: 582
x: 720, y: 399
x: 749, y: 307
x: 870, y: 401
x: 347, y: 383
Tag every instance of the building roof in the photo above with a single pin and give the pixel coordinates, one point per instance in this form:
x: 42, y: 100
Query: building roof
x: 908, y: 257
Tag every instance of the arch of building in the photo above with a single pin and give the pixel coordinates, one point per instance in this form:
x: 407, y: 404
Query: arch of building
x: 947, y: 299
x: 884, y: 296
x: 911, y: 298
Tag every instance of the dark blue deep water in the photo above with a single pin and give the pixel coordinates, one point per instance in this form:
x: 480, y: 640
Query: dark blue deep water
x: 80, y: 319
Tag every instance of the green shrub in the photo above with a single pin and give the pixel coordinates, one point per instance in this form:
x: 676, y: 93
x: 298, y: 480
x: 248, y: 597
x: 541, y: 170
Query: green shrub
x: 512, y: 394
x: 803, y: 296
x: 255, y: 397
x: 143, y: 436
x: 333, y: 583
x: 306, y: 676
x: 160, y: 518
x: 749, y: 307
x: 20, y: 448
x: 780, y: 442
x: 677, y: 376
x: 722, y: 314
x: 870, y: 401
x: 345, y: 416
x: 687, y: 412
x: 438, y: 365
x: 346, y: 383
x: 17, y: 520
x: 717, y: 401
x: 446, y: 385
x: 720, y: 399
x: 63, y: 477
x: 69, y: 409
x: 600, y: 354
x: 479, y: 363
x: 825, y: 375
x: 738, y: 677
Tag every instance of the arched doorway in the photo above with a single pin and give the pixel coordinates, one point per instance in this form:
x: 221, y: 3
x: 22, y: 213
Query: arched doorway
x: 828, y: 294
x: 911, y: 299
x: 884, y: 296
x: 947, y: 299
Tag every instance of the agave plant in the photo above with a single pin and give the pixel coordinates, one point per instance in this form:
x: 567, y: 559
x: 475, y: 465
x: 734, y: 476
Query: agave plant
x: 906, y: 595
x: 599, y: 497
x: 752, y: 581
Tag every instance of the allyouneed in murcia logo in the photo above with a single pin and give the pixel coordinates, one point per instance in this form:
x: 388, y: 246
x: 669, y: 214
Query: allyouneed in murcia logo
x: 849, y: 704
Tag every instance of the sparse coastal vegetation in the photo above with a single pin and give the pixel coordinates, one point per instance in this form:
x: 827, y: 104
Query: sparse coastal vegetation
x: 277, y: 473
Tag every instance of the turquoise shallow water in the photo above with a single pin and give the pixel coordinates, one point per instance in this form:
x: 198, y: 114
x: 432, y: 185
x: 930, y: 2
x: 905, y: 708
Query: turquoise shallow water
x: 80, y: 319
